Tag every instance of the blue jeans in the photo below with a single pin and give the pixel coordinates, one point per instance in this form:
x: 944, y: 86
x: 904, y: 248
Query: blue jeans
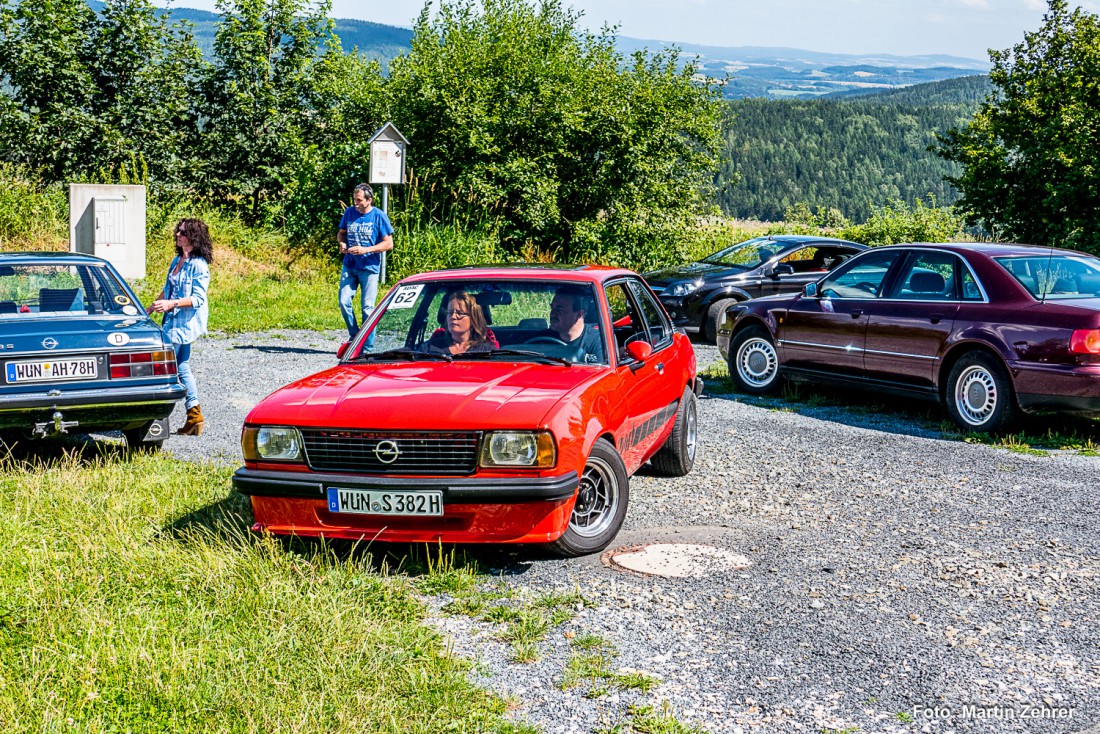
x: 183, y: 369
x: 367, y: 283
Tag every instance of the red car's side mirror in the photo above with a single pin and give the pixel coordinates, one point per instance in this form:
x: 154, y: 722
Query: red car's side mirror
x: 624, y: 321
x: 342, y: 350
x: 639, y: 350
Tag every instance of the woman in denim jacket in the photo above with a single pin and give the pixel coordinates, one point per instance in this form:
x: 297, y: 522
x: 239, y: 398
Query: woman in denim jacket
x: 183, y: 303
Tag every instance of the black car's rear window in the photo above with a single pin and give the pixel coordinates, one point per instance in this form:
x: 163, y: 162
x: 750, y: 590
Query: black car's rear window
x: 1055, y: 275
x: 30, y: 291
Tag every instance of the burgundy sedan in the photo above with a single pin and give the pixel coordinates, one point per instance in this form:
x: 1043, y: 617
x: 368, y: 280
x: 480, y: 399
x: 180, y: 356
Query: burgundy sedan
x: 988, y: 330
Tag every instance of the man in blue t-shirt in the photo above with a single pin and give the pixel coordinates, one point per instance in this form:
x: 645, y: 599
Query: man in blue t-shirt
x: 365, y: 233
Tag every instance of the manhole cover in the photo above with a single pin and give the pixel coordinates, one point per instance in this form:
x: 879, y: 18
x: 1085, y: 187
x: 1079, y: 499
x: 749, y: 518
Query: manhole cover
x: 679, y: 560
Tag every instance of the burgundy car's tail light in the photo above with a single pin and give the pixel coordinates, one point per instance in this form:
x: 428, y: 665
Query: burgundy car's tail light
x: 143, y: 364
x: 1085, y: 341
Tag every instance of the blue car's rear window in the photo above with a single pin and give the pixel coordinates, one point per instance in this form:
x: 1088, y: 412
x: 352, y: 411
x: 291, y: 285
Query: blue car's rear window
x: 29, y: 291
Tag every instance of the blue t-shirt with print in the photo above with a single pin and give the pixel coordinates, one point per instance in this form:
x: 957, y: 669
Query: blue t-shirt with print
x: 365, y: 230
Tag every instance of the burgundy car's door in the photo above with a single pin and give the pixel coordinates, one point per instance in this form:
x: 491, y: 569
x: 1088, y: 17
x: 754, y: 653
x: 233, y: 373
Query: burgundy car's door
x: 827, y: 332
x: 907, y: 329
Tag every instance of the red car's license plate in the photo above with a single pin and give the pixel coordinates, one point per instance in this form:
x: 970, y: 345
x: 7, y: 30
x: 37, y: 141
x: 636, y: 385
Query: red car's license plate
x: 375, y: 502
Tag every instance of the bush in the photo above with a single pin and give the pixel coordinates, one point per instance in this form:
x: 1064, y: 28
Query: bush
x: 897, y: 222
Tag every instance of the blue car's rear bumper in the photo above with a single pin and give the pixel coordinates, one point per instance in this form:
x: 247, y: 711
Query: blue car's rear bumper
x: 101, y: 408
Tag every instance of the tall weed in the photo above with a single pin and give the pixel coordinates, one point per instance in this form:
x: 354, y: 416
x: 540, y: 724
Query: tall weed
x: 33, y: 216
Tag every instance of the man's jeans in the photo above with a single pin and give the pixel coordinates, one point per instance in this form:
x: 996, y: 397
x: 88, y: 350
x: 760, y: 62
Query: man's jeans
x: 367, y: 283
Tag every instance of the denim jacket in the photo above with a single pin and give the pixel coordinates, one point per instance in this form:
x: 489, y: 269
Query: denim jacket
x: 185, y: 325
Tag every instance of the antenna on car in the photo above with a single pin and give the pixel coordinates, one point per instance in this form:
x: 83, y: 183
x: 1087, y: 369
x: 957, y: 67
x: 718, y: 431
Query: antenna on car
x: 1050, y: 281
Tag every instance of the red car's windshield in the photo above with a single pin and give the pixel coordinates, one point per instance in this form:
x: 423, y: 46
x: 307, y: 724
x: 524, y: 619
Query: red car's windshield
x: 488, y: 319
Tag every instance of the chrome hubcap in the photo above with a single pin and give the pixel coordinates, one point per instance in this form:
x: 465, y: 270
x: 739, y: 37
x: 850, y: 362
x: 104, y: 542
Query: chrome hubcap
x: 756, y: 362
x: 597, y: 498
x: 690, y: 431
x: 976, y: 395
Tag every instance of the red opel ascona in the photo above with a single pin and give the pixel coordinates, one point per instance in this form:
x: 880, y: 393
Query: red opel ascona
x: 489, y: 404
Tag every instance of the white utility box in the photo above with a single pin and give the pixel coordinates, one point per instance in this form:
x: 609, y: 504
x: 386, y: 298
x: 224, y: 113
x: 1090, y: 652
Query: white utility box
x: 108, y: 221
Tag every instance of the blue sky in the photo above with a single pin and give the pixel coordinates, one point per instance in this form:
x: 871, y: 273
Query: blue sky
x: 905, y: 27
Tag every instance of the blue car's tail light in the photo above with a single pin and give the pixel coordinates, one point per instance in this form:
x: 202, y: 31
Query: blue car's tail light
x: 143, y: 364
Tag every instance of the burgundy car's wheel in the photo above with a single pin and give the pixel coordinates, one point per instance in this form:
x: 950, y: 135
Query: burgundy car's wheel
x: 677, y: 456
x: 979, y: 394
x: 601, y: 504
x: 754, y: 364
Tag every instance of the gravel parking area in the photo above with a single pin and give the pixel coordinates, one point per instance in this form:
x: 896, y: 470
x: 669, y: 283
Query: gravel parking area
x: 896, y: 581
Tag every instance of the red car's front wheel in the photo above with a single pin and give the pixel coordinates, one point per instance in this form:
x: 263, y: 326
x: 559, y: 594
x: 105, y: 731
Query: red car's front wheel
x: 602, y: 498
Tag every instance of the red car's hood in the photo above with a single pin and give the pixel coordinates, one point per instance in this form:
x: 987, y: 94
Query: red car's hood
x: 423, y: 396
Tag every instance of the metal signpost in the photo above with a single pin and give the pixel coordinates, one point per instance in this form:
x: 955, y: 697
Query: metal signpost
x: 387, y: 166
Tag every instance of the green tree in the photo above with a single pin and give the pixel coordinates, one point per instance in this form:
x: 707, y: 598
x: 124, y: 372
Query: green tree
x: 145, y: 72
x: 48, y: 122
x: 267, y: 97
x: 1031, y: 154
x: 87, y: 92
x: 509, y: 107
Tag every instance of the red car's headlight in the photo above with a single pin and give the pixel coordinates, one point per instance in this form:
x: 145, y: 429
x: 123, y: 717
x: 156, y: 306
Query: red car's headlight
x: 271, y: 443
x: 518, y: 449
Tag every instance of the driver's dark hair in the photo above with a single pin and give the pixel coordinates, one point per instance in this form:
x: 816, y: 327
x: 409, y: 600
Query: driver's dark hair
x: 579, y: 295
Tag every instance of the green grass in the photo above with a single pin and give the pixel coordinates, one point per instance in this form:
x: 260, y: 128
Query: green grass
x: 650, y: 720
x: 133, y: 598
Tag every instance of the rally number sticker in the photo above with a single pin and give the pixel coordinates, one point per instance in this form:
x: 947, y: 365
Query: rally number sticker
x: 406, y: 296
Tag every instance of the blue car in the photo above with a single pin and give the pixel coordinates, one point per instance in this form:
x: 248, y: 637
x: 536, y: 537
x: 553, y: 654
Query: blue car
x: 78, y: 353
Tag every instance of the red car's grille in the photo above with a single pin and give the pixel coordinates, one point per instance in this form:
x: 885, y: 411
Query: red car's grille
x: 373, y: 452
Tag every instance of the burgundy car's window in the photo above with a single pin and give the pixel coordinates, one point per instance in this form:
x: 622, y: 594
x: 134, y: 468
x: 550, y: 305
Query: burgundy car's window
x: 928, y: 276
x: 862, y: 279
x: 1055, y: 275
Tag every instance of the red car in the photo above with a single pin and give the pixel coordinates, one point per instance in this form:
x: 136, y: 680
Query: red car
x: 987, y: 330
x: 490, y: 404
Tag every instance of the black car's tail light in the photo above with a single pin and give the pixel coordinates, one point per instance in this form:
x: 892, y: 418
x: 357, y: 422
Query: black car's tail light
x: 1085, y: 341
x: 143, y: 364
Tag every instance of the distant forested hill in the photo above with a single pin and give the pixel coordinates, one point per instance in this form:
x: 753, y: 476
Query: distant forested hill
x: 851, y: 153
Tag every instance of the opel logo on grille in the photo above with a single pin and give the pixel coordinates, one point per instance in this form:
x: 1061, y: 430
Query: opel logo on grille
x: 387, y: 451
x: 49, y: 342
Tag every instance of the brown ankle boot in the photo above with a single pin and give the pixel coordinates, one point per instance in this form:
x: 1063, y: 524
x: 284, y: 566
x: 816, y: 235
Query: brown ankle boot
x: 193, y: 426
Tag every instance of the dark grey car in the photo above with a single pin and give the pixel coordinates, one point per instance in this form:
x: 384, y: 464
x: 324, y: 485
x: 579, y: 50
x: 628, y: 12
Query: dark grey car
x: 697, y: 294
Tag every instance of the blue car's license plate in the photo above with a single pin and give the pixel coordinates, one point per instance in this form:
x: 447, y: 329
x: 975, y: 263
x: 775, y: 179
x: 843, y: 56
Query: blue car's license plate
x: 375, y: 502
x: 48, y: 370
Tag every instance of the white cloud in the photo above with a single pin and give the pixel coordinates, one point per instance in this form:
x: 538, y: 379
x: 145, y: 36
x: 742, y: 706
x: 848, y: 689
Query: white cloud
x: 981, y: 4
x: 1035, y: 4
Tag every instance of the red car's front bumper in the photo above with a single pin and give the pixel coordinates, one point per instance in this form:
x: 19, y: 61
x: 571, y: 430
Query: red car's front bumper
x: 475, y: 510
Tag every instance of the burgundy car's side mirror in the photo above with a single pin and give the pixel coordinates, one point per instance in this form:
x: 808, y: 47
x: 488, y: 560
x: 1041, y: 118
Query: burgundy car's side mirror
x: 342, y: 350
x: 810, y: 290
x: 639, y: 350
